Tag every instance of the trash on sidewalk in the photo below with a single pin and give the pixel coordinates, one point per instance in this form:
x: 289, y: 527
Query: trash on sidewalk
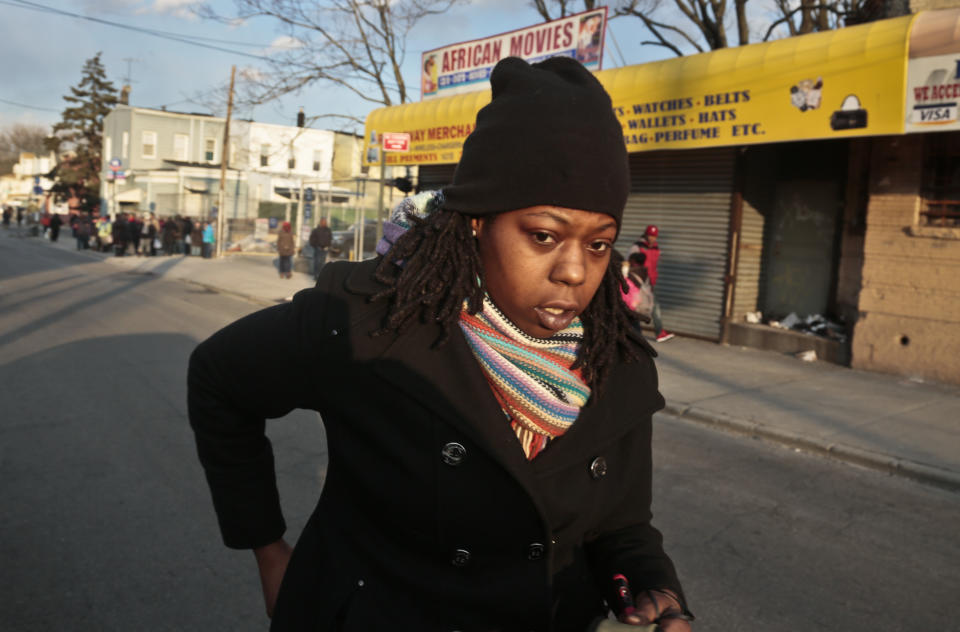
x: 807, y: 356
x: 754, y: 318
x: 814, y: 324
x: 252, y: 244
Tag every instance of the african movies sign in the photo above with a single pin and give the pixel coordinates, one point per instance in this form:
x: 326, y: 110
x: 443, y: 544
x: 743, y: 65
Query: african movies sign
x: 466, y: 66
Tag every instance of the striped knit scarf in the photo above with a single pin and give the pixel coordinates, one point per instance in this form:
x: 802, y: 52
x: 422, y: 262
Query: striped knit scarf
x: 530, y: 377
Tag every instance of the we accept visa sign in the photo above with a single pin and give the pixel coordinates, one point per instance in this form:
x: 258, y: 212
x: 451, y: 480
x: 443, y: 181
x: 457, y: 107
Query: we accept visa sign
x: 933, y: 73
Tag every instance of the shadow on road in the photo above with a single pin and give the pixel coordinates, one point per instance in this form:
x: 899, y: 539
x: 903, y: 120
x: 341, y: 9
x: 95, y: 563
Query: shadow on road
x: 124, y: 283
x: 107, y: 521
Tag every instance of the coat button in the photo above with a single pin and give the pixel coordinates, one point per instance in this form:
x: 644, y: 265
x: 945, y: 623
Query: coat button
x: 535, y: 551
x: 598, y: 467
x: 453, y: 453
x: 460, y: 558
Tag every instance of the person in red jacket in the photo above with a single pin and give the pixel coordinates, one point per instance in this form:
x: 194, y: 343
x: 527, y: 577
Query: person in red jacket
x: 649, y: 247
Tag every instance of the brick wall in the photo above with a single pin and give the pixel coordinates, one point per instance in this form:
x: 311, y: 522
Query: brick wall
x: 910, y: 296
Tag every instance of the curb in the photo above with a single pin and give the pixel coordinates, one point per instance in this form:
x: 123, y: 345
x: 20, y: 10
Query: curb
x: 897, y: 466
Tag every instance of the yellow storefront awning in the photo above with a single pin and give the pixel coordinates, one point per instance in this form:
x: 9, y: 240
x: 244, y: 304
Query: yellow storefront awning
x: 834, y: 84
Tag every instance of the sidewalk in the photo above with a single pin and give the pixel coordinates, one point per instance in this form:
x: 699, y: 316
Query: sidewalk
x: 250, y: 276
x: 890, y: 423
x: 894, y: 424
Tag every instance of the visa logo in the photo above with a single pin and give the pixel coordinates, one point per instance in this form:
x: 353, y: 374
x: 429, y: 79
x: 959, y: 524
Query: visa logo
x: 934, y: 114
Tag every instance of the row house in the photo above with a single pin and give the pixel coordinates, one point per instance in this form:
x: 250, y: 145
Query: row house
x: 169, y: 163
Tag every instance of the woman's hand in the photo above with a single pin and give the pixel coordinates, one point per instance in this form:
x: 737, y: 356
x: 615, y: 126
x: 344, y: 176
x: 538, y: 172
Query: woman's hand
x: 661, y: 607
x: 272, y: 561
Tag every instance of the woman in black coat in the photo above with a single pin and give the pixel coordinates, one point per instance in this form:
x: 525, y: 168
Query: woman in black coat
x: 489, y: 467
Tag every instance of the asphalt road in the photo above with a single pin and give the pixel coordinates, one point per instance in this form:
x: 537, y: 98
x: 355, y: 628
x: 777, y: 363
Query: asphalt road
x: 106, y: 522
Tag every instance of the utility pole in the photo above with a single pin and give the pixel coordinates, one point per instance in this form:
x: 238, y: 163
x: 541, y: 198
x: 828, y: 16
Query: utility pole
x: 224, y: 156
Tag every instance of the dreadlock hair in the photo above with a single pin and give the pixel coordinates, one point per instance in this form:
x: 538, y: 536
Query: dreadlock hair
x: 435, y: 265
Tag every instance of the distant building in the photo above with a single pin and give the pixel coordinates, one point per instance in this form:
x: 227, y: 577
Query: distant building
x: 170, y: 162
x: 17, y: 188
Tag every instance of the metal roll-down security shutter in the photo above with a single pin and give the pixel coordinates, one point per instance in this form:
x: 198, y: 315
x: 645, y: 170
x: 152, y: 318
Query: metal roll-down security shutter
x: 687, y: 194
x: 432, y: 177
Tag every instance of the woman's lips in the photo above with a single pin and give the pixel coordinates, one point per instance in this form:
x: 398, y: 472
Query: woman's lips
x: 555, y: 318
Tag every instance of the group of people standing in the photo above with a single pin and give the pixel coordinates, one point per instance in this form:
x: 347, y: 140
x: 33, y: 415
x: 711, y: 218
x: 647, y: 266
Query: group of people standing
x: 8, y: 214
x: 146, y: 236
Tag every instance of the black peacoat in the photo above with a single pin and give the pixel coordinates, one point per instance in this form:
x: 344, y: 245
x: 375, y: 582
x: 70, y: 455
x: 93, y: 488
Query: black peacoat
x: 430, y: 518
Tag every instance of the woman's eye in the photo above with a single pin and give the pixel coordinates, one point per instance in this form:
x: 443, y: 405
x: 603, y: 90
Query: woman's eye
x: 542, y: 237
x: 599, y: 246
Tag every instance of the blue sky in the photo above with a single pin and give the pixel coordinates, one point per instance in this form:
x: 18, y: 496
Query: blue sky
x: 41, y: 55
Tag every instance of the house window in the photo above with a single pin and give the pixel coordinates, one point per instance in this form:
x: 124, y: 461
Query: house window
x: 264, y: 155
x: 125, y: 145
x: 108, y: 149
x: 181, y: 147
x: 940, y: 188
x: 209, y: 148
x: 148, y: 145
x: 317, y: 159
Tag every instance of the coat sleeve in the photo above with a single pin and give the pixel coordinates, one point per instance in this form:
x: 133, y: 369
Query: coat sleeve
x: 261, y: 366
x: 628, y: 543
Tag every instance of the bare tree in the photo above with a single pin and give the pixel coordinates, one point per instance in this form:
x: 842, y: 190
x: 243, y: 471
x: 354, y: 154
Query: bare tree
x: 808, y: 16
x: 20, y: 137
x: 684, y: 26
x: 566, y: 8
x: 357, y: 45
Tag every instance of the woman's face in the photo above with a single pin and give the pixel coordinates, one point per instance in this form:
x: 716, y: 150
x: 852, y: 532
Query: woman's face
x: 543, y: 264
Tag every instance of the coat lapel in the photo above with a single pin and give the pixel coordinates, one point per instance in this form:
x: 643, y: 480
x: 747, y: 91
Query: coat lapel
x: 449, y: 381
x: 628, y: 399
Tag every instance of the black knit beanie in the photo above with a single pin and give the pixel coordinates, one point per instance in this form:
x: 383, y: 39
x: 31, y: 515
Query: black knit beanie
x: 550, y: 137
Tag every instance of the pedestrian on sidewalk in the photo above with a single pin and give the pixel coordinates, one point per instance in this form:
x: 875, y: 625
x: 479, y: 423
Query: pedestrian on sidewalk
x: 648, y: 245
x: 447, y: 372
x: 55, y: 224
x: 148, y: 232
x: 285, y: 250
x: 121, y: 234
x: 209, y: 240
x: 134, y: 228
x: 104, y: 234
x: 196, y: 239
x: 639, y: 293
x: 84, y: 229
x: 187, y: 235
x: 7, y: 212
x: 170, y: 236
x: 320, y: 239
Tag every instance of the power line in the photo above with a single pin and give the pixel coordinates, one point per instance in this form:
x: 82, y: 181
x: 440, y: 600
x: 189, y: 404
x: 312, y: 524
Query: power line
x: 183, y: 39
x: 32, y: 107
